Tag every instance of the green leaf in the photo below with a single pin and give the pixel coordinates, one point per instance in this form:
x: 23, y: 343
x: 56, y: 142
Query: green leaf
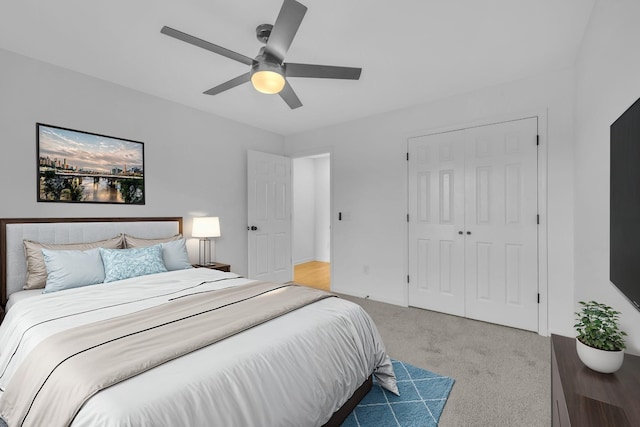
x: 597, y: 326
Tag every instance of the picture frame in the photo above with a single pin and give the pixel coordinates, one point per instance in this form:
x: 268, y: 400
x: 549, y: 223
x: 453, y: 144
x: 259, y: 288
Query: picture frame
x: 84, y: 167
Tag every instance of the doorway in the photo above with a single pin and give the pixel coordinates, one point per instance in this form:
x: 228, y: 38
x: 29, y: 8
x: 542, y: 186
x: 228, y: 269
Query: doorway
x: 311, y: 222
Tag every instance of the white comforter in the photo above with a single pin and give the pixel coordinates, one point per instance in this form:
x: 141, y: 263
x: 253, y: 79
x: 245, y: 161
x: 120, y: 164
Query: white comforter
x: 295, y: 370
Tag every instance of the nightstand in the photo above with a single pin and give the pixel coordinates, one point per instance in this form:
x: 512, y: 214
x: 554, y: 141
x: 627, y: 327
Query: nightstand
x: 215, y: 266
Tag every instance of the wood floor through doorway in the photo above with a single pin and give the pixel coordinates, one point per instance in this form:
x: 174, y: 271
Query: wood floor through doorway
x: 316, y: 274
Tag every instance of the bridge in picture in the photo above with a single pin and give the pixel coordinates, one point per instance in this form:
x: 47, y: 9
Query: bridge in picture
x: 95, y: 175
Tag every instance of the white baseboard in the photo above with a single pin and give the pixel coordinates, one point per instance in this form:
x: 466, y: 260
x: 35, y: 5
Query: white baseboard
x: 369, y: 296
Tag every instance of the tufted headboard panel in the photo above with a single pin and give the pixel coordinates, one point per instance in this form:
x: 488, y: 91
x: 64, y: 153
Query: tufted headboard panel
x: 13, y: 267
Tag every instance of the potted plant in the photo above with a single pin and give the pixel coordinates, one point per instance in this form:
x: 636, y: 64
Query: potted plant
x: 600, y: 342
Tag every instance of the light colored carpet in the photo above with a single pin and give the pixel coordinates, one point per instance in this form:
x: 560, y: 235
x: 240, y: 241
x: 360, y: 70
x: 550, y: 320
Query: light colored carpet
x: 503, y: 375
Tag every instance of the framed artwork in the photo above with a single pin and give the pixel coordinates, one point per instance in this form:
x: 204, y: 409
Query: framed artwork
x: 84, y: 167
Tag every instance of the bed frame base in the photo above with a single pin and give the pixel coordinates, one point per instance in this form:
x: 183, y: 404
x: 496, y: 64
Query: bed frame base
x: 341, y: 414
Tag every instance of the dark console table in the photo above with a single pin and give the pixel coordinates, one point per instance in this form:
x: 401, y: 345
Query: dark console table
x: 581, y: 397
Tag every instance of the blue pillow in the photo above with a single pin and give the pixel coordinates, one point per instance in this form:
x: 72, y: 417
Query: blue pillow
x: 175, y: 255
x: 68, y: 269
x: 122, y: 264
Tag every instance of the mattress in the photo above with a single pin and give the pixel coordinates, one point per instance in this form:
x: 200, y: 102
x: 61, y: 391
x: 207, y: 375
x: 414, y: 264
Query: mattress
x: 295, y: 370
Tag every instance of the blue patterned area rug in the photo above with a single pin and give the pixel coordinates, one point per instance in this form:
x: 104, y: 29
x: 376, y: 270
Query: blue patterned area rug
x: 423, y: 395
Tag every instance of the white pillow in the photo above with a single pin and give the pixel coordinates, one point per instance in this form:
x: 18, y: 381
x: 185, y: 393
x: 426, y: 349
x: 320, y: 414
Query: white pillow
x: 72, y: 269
x: 175, y: 256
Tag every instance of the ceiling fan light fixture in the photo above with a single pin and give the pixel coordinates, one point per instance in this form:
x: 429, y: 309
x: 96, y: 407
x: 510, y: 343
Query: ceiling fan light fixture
x: 268, y: 78
x: 268, y: 82
x: 269, y: 72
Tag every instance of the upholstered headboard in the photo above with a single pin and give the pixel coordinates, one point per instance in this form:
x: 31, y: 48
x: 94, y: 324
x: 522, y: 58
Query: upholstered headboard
x: 13, y: 231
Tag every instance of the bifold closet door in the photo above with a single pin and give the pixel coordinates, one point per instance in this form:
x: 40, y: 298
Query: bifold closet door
x: 473, y: 223
x: 501, y: 230
x: 436, y: 222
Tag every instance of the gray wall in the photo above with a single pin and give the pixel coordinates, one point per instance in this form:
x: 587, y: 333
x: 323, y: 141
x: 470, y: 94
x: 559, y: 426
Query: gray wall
x: 311, y: 209
x: 323, y: 209
x: 607, y: 83
x: 304, y: 213
x: 195, y: 163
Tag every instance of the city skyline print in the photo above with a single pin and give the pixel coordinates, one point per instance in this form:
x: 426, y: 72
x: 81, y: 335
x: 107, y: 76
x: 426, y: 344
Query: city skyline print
x: 77, y: 166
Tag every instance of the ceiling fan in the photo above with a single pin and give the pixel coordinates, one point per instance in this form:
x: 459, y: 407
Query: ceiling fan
x: 269, y: 72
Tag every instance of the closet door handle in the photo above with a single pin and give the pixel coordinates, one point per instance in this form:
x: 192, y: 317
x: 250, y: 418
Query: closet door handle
x: 468, y: 232
x: 459, y: 232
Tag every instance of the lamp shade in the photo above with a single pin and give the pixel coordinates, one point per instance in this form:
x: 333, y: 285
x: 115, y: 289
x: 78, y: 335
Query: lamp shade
x: 206, y: 226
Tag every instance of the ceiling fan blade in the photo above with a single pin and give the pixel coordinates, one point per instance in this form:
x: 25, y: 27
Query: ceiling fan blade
x: 206, y: 45
x: 290, y: 97
x: 230, y: 84
x: 285, y: 28
x: 322, y: 71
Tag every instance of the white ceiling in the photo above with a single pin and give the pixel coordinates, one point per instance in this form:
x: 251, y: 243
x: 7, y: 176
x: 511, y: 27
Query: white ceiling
x: 411, y: 51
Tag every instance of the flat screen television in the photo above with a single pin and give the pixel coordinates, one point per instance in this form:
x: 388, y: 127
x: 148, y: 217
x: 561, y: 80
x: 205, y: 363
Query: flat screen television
x: 625, y: 204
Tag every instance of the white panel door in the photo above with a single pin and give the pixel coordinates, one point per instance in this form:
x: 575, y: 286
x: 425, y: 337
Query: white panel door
x: 473, y: 248
x: 269, y: 216
x: 501, y: 231
x: 436, y: 212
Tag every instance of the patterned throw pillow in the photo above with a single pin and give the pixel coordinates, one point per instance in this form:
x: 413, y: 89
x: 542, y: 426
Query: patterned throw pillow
x: 122, y: 264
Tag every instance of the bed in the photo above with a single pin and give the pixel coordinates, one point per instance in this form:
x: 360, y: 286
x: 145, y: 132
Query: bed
x: 307, y: 365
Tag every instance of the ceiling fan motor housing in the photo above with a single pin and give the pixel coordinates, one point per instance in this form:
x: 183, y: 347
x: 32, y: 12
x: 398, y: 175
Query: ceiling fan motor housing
x: 267, y: 64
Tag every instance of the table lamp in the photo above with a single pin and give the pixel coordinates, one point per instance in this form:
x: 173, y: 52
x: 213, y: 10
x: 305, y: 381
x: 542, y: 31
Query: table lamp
x: 205, y: 228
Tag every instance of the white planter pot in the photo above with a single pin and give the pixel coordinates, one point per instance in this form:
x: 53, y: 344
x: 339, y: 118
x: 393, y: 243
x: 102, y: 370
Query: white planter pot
x: 600, y: 360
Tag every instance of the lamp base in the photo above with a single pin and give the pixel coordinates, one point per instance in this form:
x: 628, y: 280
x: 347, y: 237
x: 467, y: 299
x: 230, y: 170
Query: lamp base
x: 204, y: 252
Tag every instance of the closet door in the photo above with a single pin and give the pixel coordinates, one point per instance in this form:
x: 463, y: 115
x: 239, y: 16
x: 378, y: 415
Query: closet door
x: 501, y: 237
x: 436, y: 212
x: 473, y: 248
